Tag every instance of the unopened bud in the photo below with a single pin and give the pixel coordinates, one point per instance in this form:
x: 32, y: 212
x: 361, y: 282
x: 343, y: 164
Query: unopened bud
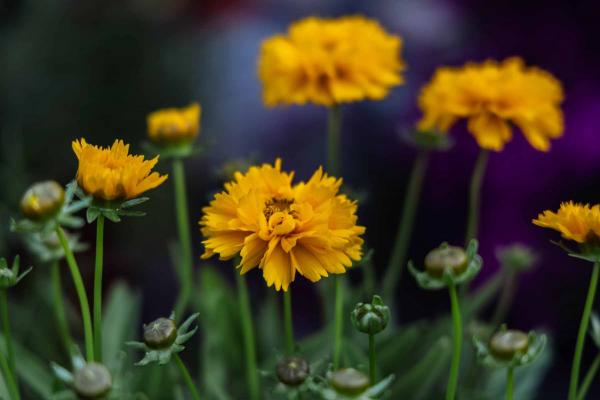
x: 93, y: 381
x: 42, y: 200
x: 292, y: 371
x: 160, y: 334
x: 446, y: 258
x: 349, y: 381
x: 505, y: 344
x: 371, y: 318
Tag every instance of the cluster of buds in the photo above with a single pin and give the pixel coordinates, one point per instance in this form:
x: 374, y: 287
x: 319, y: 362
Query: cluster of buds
x: 448, y: 265
x: 163, y: 339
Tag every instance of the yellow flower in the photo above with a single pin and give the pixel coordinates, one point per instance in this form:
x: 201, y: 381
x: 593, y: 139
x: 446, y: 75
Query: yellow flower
x: 330, y: 61
x: 283, y: 228
x: 112, y: 173
x: 574, y: 221
x: 492, y: 96
x: 174, y: 125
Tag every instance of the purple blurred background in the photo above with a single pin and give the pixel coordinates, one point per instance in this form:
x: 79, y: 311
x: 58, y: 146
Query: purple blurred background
x: 95, y: 69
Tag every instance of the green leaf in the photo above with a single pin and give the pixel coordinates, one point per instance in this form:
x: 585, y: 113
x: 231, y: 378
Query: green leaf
x: 120, y: 320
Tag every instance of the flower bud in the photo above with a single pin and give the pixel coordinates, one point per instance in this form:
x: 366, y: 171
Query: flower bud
x: 516, y: 257
x: 446, y: 257
x: 371, y: 318
x: 160, y: 333
x: 293, y: 371
x: 505, y: 344
x: 93, y: 381
x: 42, y: 200
x: 349, y: 381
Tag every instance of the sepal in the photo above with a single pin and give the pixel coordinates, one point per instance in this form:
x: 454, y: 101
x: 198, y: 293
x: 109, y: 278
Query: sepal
x: 9, y: 277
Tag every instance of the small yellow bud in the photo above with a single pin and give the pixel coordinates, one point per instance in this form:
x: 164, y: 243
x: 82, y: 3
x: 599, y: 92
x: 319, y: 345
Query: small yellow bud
x: 42, y: 200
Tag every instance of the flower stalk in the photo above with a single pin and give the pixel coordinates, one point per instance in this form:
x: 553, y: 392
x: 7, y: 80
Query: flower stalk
x: 10, y: 352
x: 583, y: 326
x: 338, y: 321
x: 187, y: 377
x: 9, y: 378
x: 98, y: 287
x: 396, y: 263
x: 589, y: 378
x: 185, y: 242
x: 248, y: 336
x: 83, y: 300
x: 475, y: 195
x: 59, y: 308
x: 456, y: 351
x: 288, y: 322
x: 510, y: 383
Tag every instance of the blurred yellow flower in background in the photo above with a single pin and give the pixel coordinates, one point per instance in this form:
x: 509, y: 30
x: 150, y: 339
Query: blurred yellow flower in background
x: 112, y: 173
x: 330, y: 61
x: 491, y: 96
x: 282, y: 228
x: 174, y: 125
x: 574, y: 221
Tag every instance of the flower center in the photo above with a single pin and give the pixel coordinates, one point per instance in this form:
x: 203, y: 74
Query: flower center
x: 277, y: 205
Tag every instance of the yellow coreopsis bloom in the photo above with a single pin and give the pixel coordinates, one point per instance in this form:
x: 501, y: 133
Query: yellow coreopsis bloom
x: 491, y: 96
x: 174, y: 125
x: 574, y: 221
x: 111, y: 173
x: 283, y: 228
x: 330, y: 61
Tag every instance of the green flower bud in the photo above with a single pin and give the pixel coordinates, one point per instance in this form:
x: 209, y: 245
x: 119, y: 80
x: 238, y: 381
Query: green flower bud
x: 446, y: 257
x: 349, y: 381
x: 505, y: 344
x: 42, y: 200
x: 292, y: 371
x: 93, y: 381
x: 371, y: 318
x: 160, y: 333
x: 516, y: 257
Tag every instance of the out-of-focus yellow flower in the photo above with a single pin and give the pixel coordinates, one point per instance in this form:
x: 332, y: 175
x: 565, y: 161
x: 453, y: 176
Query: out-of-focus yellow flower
x: 174, y: 125
x: 492, y: 96
x: 112, y: 173
x: 282, y: 228
x: 575, y: 221
x: 330, y: 61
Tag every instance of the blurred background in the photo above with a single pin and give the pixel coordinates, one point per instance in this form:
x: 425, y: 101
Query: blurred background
x: 94, y: 69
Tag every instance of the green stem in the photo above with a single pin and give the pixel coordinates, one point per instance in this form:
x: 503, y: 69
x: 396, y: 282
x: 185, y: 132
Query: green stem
x: 10, y: 350
x: 98, y: 287
x: 13, y: 388
x: 396, y: 263
x: 80, y: 288
x: 585, y: 319
x: 372, y: 363
x: 187, y: 377
x: 288, y: 323
x: 475, y: 195
x: 249, y: 342
x: 589, y: 378
x: 506, y: 298
x: 457, y: 334
x: 334, y: 125
x: 59, y: 308
x: 185, y: 241
x: 510, y: 383
x: 338, y: 321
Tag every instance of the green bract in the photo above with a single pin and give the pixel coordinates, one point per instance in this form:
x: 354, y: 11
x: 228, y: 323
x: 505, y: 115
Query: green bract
x: 428, y: 140
x: 489, y: 358
x: 10, y: 276
x: 175, y: 150
x: 163, y: 354
x: 47, y: 247
x: 451, y: 275
x: 370, y: 318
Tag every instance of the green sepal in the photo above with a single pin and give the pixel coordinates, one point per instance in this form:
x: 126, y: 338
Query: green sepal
x: 537, y: 342
x: 428, y: 140
x: 589, y: 252
x: 173, y: 151
x: 370, y: 318
x: 10, y: 277
x: 428, y: 282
